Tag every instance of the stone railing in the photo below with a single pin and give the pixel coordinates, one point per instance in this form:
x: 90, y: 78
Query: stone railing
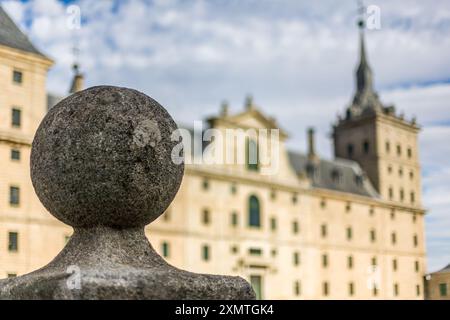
x: 101, y: 162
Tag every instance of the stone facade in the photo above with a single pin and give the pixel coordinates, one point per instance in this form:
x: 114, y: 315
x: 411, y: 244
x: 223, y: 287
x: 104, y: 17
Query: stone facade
x: 438, y: 285
x: 328, y: 229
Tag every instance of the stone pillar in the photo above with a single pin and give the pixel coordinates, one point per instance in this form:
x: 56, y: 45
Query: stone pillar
x: 101, y: 162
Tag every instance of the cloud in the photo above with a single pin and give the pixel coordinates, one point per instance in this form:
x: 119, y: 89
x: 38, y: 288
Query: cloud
x: 296, y: 57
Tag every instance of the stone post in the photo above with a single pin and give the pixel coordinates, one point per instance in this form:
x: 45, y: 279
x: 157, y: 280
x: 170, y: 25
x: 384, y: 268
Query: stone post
x: 101, y: 162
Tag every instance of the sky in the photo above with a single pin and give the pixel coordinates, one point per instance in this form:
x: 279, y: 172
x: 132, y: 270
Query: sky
x: 296, y: 58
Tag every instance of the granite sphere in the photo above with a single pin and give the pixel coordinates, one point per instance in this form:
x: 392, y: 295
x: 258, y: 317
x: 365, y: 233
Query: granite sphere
x: 102, y: 157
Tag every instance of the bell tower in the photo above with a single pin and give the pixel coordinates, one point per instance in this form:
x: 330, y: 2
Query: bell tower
x: 383, y: 142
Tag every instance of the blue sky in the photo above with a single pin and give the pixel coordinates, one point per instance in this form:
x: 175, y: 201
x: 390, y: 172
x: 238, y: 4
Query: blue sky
x: 297, y: 59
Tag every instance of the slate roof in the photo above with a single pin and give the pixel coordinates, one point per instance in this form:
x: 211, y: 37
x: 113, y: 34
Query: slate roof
x: 338, y: 174
x: 11, y: 36
x: 445, y: 270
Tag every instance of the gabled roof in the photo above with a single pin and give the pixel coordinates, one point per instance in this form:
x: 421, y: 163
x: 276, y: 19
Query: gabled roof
x: 11, y: 36
x: 338, y: 175
x: 445, y: 270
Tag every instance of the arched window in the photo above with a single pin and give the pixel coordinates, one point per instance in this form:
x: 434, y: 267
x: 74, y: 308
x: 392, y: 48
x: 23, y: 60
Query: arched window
x: 254, y: 214
x: 252, y: 155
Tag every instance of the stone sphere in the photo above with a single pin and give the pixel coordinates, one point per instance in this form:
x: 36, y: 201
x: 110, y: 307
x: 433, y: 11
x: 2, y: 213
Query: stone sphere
x: 102, y: 157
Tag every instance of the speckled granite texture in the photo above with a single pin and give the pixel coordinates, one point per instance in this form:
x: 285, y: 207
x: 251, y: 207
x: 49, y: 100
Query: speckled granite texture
x: 101, y: 162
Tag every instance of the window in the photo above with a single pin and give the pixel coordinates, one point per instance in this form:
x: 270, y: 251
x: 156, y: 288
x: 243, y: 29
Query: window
x: 256, y: 282
x: 350, y: 262
x: 412, y: 197
x: 205, y: 184
x: 389, y: 169
x: 371, y: 210
x: 394, y: 265
x: 233, y: 188
x: 374, y: 291
x: 165, y: 248
x: 393, y: 214
x: 391, y: 193
x: 17, y: 77
x: 274, y: 252
x: 14, y: 196
x: 366, y: 147
x: 273, y: 194
x: 296, y: 258
x: 414, y: 218
x: 409, y: 153
x: 396, y: 289
x: 374, y: 261
x: 351, y: 289
x: 11, y: 275
x: 205, y: 253
x: 418, y: 290
x: 400, y: 172
x: 15, y: 154
x: 325, y: 260
x: 234, y: 219
x: 297, y: 288
x: 323, y: 203
x: 273, y: 224
x: 349, y: 233
x: 254, y: 212
x: 443, y: 289
x: 234, y: 249
x: 388, y: 147
x: 252, y: 155
x: 325, y: 288
x: 16, y: 117
x: 350, y: 150
x: 411, y: 175
x: 415, y: 240
x: 416, y: 266
x: 373, y: 235
x: 393, y: 238
x: 336, y: 176
x: 295, y: 227
x: 294, y: 198
x: 348, y: 207
x: 399, y: 150
x: 206, y: 219
x: 255, y: 251
x: 13, y: 241
x: 402, y: 195
x: 166, y: 215
x: 323, y: 230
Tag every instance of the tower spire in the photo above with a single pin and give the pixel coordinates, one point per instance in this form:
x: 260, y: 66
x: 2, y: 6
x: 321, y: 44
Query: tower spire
x: 365, y: 99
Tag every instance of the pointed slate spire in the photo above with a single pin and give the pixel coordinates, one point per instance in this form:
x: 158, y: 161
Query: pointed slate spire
x: 365, y: 99
x: 363, y: 73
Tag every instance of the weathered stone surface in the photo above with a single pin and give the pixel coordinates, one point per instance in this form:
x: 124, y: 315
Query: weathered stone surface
x: 101, y: 162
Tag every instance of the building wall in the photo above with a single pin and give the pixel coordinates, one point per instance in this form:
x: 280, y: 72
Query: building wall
x: 267, y: 252
x: 186, y: 233
x: 39, y: 235
x: 438, y: 286
x: 394, y: 173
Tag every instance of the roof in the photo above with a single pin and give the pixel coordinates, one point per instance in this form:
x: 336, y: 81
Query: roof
x: 445, y: 270
x: 338, y: 175
x: 11, y: 36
